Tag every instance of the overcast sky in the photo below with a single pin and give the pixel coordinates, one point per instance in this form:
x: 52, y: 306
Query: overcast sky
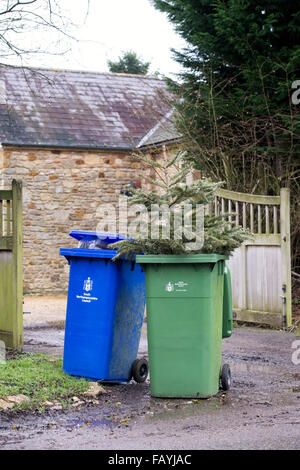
x: 113, y: 26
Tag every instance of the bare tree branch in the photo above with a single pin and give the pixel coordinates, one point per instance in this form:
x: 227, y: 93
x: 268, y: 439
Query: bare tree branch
x: 13, y: 7
x: 19, y: 19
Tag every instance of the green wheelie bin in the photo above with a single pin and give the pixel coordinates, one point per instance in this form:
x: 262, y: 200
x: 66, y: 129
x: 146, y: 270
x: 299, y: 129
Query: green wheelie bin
x: 189, y: 311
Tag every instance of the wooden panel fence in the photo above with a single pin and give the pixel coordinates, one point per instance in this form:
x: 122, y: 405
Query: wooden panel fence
x: 261, y: 268
x: 11, y: 282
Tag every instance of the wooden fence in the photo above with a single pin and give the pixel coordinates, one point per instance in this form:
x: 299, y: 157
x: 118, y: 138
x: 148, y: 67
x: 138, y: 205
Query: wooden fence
x: 261, y: 268
x: 11, y: 282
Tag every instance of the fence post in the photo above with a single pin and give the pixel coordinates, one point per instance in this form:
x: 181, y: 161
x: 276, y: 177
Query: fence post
x: 286, y: 279
x: 17, y: 271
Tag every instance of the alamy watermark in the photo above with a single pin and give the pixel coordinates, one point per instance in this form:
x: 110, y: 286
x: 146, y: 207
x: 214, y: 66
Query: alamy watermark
x: 180, y: 222
x: 2, y: 353
x: 296, y: 353
x: 296, y: 93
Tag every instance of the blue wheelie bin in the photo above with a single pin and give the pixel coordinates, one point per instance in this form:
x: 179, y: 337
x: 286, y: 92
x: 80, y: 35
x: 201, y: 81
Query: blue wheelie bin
x: 105, y: 310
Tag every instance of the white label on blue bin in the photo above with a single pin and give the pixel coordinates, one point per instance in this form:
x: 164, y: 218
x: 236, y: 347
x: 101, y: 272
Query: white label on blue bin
x: 87, y: 298
x: 87, y: 287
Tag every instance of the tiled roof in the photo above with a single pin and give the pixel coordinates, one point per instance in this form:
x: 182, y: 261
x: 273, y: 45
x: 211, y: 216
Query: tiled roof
x: 79, y: 109
x: 163, y: 131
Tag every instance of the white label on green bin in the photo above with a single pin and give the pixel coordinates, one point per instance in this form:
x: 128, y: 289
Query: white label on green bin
x: 170, y: 287
x: 179, y: 286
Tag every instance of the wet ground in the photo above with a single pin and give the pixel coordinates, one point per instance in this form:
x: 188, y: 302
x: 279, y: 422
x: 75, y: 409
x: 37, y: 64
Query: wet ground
x: 261, y: 411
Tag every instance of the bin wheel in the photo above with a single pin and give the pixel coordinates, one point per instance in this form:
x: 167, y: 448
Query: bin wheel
x: 139, y: 370
x: 225, y: 377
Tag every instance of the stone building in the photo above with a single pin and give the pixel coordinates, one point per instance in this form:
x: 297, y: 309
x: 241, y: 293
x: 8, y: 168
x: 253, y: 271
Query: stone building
x: 69, y: 137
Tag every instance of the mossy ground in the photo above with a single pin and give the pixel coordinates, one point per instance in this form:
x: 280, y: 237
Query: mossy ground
x: 41, y: 378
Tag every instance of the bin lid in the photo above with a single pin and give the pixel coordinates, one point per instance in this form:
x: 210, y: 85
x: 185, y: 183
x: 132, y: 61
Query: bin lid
x: 105, y: 237
x: 86, y: 253
x: 179, y: 259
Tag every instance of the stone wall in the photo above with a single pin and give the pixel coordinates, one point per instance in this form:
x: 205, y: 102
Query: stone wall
x: 62, y: 191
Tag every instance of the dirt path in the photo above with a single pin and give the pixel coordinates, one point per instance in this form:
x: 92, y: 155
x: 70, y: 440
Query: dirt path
x: 261, y: 411
x: 44, y: 309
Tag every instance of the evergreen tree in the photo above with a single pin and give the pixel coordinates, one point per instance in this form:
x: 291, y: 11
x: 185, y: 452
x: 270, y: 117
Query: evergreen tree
x: 172, y: 192
x: 240, y: 113
x: 129, y: 62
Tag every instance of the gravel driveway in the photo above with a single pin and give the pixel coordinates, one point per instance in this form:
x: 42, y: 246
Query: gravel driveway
x: 261, y: 411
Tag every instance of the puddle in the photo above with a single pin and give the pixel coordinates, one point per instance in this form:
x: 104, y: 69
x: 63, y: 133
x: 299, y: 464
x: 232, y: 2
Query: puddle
x: 255, y: 359
x: 91, y: 423
x: 296, y: 376
x: 255, y: 368
x: 184, y: 409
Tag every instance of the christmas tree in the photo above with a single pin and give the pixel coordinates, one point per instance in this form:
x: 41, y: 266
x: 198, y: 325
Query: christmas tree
x: 174, y: 220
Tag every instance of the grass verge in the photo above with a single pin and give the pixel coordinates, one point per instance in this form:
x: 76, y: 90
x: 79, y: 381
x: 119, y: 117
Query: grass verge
x: 41, y: 379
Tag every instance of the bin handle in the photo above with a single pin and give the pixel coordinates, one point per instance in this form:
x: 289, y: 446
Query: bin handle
x: 221, y: 267
x: 132, y: 265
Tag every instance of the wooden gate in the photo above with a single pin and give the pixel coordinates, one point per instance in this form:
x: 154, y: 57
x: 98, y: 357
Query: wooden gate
x: 261, y: 268
x: 11, y: 282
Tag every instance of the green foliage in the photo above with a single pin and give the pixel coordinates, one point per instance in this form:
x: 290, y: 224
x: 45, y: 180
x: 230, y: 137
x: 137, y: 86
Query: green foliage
x: 220, y: 235
x: 40, y: 378
x: 129, y: 63
x: 237, y: 115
